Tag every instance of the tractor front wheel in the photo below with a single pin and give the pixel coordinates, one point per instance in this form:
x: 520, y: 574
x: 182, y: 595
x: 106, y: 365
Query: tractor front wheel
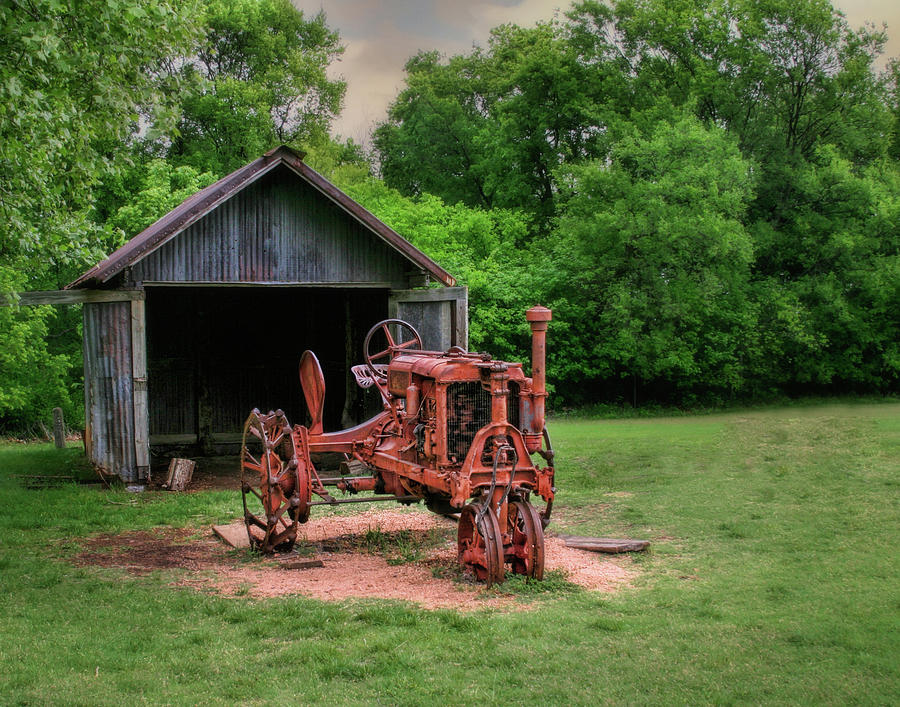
x: 526, y: 550
x: 480, y: 544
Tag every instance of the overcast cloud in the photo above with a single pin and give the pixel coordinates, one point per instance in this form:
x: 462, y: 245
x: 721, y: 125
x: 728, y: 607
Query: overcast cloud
x: 379, y: 37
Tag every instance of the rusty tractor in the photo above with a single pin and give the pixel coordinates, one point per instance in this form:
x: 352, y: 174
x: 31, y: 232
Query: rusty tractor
x: 458, y: 431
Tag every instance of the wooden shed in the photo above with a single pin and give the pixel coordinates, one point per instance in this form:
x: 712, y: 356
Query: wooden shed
x: 204, y: 315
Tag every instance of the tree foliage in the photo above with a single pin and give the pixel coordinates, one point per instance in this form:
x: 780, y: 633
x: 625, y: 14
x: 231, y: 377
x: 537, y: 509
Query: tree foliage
x: 490, y: 128
x: 653, y: 263
x: 622, y: 130
x: 707, y: 192
x: 161, y: 188
x: 73, y: 83
x: 111, y: 113
x: 254, y: 80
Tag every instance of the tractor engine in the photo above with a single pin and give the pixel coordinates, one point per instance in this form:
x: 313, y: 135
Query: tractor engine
x: 458, y: 431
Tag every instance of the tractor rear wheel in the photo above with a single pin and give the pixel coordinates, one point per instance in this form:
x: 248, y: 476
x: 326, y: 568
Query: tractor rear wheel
x: 480, y: 544
x: 271, y: 487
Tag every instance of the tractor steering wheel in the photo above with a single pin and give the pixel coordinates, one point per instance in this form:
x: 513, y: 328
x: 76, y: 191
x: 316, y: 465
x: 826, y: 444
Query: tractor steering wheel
x: 393, y: 348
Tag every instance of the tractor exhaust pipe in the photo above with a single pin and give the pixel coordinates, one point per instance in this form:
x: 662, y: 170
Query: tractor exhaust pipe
x: 537, y: 318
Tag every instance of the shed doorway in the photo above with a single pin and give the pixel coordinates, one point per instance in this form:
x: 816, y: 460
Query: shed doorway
x: 215, y: 353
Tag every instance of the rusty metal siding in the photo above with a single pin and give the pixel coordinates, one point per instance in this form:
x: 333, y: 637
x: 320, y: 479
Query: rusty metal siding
x: 109, y: 383
x: 278, y: 230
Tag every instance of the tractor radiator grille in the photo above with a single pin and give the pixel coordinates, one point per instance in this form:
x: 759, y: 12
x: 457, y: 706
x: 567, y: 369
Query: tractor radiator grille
x: 468, y: 410
x: 512, y: 407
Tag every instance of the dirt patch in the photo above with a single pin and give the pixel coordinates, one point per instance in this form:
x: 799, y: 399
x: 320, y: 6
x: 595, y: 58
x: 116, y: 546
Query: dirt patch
x: 142, y: 552
x: 346, y: 545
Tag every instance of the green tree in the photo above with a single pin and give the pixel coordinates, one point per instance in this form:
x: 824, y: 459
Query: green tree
x: 544, y: 117
x: 830, y: 313
x: 785, y: 77
x: 256, y: 79
x: 893, y: 81
x: 433, y: 139
x: 489, y: 128
x: 162, y: 187
x: 653, y: 265
x: 73, y: 83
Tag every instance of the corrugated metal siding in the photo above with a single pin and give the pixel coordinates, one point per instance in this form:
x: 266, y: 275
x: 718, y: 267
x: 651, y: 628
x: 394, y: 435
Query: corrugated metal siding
x: 107, y: 357
x: 278, y: 230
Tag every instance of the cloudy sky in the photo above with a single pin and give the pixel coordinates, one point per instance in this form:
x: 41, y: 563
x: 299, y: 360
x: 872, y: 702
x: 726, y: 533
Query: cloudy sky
x: 380, y: 35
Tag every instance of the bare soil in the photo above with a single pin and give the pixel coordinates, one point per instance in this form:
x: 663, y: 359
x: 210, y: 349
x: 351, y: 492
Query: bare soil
x: 351, y: 569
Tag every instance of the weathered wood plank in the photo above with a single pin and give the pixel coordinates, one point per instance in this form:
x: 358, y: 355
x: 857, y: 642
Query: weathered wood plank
x: 180, y: 473
x: 59, y: 429
x: 235, y: 534
x: 434, y: 294
x: 300, y: 564
x: 440, y: 314
x: 70, y: 297
x: 608, y: 545
x: 461, y: 319
x: 173, y: 439
x: 139, y: 375
x: 377, y: 285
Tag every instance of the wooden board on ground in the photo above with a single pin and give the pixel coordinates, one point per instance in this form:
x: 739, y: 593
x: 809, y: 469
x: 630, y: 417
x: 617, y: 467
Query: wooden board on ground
x: 233, y: 534
x: 180, y: 473
x: 294, y: 564
x: 609, y: 545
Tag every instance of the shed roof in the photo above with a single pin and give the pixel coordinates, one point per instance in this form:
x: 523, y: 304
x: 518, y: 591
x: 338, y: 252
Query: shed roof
x: 205, y: 200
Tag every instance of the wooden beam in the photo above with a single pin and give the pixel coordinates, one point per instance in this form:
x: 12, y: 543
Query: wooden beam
x: 268, y: 283
x: 609, y: 545
x: 182, y: 439
x: 139, y: 375
x: 204, y: 379
x: 70, y: 297
x: 433, y: 294
x: 176, y: 439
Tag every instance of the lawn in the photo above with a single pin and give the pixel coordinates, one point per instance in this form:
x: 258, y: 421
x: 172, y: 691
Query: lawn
x: 773, y: 578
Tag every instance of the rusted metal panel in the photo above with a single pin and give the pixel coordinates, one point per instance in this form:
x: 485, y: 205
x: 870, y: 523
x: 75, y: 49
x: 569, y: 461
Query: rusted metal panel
x: 110, y: 387
x: 279, y: 230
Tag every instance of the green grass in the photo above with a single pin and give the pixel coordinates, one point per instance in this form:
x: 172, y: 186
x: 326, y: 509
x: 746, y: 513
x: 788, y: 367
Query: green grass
x: 772, y: 578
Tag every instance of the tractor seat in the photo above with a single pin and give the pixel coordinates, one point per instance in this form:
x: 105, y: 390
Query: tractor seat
x: 364, y: 376
x: 312, y: 380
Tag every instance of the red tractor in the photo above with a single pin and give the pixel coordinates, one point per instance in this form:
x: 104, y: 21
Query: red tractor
x: 458, y: 431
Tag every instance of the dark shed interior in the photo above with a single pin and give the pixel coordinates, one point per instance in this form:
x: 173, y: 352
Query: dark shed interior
x: 214, y: 354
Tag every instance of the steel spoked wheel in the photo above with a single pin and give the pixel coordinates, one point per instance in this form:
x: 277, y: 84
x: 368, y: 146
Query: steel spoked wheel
x: 480, y: 545
x: 385, y: 355
x: 271, y: 484
x: 526, y: 533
